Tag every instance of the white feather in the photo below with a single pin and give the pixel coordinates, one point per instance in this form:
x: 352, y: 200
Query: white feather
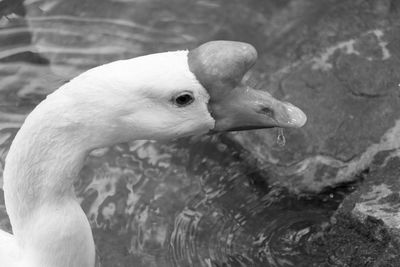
x: 116, y: 102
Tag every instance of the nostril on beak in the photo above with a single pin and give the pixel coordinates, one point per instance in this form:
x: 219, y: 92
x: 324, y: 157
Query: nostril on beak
x: 267, y: 111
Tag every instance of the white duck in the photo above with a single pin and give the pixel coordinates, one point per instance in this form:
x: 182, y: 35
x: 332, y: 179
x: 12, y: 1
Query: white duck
x: 159, y: 96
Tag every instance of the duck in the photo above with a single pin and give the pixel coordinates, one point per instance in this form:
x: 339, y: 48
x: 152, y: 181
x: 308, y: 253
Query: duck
x: 160, y: 96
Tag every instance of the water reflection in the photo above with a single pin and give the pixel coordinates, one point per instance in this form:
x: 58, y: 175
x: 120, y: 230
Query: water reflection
x: 195, y: 203
x: 201, y: 201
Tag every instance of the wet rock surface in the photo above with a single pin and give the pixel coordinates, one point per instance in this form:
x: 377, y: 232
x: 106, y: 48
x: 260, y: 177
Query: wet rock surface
x: 365, y: 230
x: 349, y: 241
x: 348, y: 87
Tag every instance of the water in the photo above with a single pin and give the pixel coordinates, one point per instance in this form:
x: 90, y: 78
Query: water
x: 194, y: 202
x: 280, y: 138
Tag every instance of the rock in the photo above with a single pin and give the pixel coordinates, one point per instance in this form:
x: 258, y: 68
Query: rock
x: 349, y: 91
x: 350, y: 242
x: 365, y: 229
x: 379, y: 195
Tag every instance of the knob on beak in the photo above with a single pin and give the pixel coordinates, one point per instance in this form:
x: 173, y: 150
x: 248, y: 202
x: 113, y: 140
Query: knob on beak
x: 220, y: 66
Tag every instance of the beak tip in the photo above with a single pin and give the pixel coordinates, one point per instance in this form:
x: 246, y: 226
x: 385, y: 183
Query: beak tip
x: 297, y: 118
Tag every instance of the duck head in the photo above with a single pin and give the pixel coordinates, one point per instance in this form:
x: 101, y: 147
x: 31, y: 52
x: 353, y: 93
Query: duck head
x: 175, y: 94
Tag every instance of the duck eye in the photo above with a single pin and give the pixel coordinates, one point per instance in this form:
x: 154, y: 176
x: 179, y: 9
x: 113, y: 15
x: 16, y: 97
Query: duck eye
x: 184, y: 99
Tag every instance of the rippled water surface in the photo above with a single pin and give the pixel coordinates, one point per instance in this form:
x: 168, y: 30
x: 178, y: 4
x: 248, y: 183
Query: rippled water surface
x: 193, y: 202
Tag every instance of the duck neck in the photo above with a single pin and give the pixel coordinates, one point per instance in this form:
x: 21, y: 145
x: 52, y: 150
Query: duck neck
x: 41, y: 167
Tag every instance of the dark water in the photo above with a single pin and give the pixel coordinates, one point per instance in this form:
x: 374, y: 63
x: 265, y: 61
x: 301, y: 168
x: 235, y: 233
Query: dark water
x: 193, y: 202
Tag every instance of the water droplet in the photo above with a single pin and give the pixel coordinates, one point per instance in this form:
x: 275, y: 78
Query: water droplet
x: 280, y: 139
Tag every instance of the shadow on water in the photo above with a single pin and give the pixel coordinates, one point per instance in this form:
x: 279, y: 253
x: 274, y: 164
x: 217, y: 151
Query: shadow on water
x: 194, y: 202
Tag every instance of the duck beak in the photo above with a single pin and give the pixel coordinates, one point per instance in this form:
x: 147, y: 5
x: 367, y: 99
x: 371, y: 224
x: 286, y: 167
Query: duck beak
x: 245, y: 108
x: 220, y: 66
